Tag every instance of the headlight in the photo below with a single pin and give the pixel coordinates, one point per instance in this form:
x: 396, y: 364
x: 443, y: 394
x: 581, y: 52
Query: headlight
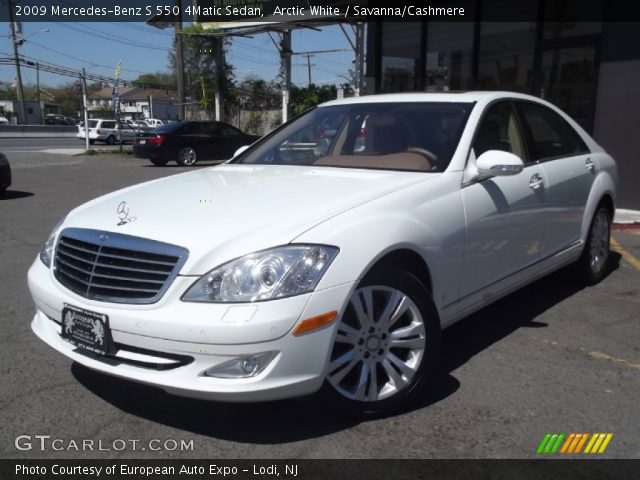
x: 276, y: 273
x: 46, y: 254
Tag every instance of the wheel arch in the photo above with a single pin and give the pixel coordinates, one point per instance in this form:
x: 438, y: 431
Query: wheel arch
x: 602, y: 193
x: 407, y: 260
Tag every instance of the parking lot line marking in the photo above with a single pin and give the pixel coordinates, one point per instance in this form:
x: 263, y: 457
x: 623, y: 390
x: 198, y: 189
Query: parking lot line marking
x: 626, y: 255
x: 595, y: 354
x: 604, y: 356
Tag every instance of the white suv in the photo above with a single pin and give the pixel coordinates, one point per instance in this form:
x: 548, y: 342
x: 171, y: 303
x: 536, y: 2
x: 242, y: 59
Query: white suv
x: 101, y: 130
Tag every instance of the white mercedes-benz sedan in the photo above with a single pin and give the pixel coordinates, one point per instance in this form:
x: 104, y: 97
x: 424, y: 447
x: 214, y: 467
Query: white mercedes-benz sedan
x: 333, y: 251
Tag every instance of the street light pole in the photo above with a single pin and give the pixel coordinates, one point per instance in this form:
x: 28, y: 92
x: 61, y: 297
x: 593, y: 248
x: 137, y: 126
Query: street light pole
x: 23, y: 111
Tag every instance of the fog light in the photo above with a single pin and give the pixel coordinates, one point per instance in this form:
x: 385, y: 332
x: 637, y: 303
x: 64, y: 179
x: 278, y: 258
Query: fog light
x: 242, y: 367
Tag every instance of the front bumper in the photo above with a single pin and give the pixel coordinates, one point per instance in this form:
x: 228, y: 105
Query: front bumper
x: 170, y: 344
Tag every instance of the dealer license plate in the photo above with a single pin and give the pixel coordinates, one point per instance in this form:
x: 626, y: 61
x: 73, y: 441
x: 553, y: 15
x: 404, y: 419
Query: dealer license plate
x: 86, y: 329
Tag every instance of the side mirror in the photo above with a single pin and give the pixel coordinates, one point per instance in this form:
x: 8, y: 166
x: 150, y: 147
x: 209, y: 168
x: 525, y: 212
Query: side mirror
x: 499, y: 163
x: 240, y: 150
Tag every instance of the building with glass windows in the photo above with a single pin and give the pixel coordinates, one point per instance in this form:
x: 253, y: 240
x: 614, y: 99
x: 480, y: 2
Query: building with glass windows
x: 590, y: 69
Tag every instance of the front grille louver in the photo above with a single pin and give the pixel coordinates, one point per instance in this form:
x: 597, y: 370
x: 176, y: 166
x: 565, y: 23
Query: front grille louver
x: 113, y: 267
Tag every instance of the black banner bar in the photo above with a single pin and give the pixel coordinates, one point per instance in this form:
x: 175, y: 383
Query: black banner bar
x: 318, y: 469
x: 314, y: 10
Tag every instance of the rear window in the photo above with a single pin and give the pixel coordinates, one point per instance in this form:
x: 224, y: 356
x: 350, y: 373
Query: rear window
x: 170, y: 127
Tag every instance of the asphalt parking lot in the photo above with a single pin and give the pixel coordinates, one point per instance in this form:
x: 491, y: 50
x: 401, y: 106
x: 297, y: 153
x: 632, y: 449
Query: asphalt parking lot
x: 554, y: 357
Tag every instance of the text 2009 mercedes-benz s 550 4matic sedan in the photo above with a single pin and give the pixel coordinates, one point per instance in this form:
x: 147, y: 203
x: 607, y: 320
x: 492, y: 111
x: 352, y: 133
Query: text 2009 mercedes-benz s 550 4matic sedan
x: 331, y: 252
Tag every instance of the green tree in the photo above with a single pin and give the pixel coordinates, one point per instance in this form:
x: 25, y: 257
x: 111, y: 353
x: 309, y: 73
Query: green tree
x: 257, y: 94
x: 199, y: 61
x: 253, y: 123
x: 304, y: 98
x: 156, y: 80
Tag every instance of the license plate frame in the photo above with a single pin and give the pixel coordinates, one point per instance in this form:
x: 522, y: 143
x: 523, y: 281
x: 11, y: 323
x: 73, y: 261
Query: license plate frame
x: 87, y: 329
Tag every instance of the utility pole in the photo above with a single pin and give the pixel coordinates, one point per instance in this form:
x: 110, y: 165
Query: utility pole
x: 285, y: 58
x: 40, y: 106
x: 23, y: 111
x: 219, y: 60
x: 83, y: 82
x: 179, y: 62
x: 359, y: 31
x: 309, y: 55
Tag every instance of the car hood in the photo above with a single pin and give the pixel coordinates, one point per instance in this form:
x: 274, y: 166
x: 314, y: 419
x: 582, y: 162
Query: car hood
x: 223, y: 212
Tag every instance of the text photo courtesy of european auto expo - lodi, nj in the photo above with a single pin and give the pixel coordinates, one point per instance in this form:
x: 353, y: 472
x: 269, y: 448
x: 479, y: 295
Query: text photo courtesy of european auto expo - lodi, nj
x: 260, y: 239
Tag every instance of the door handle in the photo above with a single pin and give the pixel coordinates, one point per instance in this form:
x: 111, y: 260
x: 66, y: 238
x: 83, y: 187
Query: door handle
x: 590, y: 165
x: 536, y: 182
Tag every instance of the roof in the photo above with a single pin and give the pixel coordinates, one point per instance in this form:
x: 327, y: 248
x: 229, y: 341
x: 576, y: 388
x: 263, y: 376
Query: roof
x: 458, y: 97
x: 106, y: 92
x: 139, y: 93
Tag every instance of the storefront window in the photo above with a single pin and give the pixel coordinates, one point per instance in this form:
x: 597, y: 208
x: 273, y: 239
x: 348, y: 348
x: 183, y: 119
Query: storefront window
x: 506, y: 48
x: 400, y: 56
x: 506, y: 56
x: 449, y: 56
x: 574, y: 9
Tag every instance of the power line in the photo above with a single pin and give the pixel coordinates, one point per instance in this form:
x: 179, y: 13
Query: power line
x: 112, y: 38
x: 81, y: 59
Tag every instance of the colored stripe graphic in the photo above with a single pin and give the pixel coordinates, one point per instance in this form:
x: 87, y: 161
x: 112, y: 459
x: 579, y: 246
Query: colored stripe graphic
x: 598, y: 442
x: 550, y: 443
x: 573, y: 443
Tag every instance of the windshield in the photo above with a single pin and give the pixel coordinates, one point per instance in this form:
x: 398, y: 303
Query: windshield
x: 92, y: 123
x: 417, y: 136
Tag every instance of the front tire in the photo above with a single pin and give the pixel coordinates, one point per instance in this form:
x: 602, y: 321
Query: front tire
x: 159, y: 161
x: 592, y: 265
x: 386, y: 344
x: 187, y: 156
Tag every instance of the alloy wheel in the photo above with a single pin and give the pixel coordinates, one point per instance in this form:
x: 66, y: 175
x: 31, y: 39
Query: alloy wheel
x: 379, y: 345
x: 599, y: 244
x: 187, y: 156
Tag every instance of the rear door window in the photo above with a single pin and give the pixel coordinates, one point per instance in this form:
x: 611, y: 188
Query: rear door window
x: 551, y: 135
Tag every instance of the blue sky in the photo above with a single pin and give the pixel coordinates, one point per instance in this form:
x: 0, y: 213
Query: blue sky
x: 99, y: 46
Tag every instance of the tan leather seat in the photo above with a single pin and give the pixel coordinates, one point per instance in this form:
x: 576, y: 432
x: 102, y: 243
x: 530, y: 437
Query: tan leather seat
x: 393, y: 161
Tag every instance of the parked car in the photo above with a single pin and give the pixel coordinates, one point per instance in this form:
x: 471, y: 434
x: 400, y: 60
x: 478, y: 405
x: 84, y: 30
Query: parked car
x: 4, y: 121
x: 5, y: 173
x: 54, y: 119
x: 190, y: 142
x: 154, y: 122
x: 102, y: 130
x: 136, y: 124
x: 286, y: 269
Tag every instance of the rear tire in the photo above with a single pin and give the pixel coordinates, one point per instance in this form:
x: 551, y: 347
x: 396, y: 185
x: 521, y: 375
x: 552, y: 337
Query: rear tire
x: 111, y: 140
x: 593, y: 263
x: 187, y: 156
x: 91, y: 142
x: 386, y: 344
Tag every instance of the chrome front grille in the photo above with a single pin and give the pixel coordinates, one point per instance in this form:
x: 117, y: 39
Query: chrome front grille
x: 113, y: 267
